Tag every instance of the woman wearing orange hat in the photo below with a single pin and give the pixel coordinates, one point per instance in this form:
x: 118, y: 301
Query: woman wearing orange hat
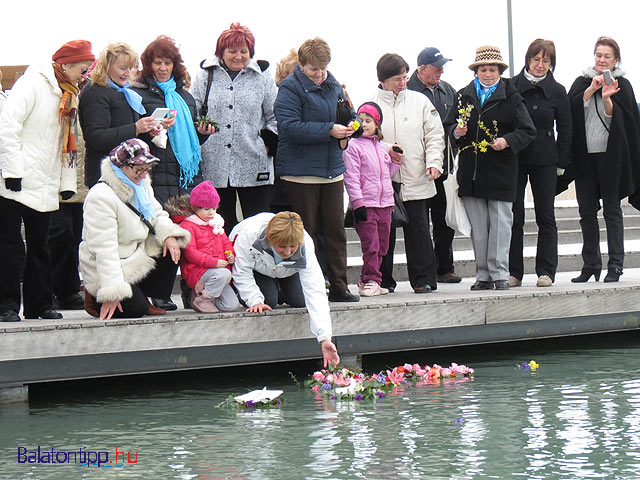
x: 38, y: 128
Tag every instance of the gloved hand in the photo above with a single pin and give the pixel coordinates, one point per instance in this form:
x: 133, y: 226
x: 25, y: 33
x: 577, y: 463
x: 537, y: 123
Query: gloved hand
x: 360, y: 214
x: 14, y: 184
x: 66, y: 195
x: 559, y: 171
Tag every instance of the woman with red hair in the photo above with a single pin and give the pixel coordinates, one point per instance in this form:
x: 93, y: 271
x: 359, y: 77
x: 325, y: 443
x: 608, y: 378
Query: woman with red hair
x: 161, y: 84
x: 233, y: 90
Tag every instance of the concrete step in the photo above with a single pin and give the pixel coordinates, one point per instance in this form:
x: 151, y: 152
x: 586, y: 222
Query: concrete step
x: 530, y: 240
x: 569, y: 260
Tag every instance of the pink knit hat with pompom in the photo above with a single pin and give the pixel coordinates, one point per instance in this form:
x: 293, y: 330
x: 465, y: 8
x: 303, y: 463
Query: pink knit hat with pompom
x: 205, y: 196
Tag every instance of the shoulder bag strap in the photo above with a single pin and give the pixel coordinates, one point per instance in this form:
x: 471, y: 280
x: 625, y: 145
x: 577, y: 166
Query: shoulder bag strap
x: 137, y: 212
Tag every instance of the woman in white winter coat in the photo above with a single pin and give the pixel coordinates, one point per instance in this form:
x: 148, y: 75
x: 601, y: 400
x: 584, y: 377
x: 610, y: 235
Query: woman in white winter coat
x: 38, y: 131
x: 236, y: 93
x: 130, y: 247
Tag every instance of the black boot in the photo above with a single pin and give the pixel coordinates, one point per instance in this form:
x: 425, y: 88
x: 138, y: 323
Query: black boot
x: 585, y: 275
x: 613, y: 275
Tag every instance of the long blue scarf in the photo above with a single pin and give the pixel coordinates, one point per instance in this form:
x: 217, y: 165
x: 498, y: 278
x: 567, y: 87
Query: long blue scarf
x: 133, y: 98
x: 183, y: 136
x: 140, y: 198
x: 483, y: 92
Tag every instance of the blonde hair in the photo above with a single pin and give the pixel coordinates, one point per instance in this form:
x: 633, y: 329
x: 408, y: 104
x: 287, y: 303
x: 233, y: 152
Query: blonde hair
x: 314, y: 51
x: 109, y: 55
x: 285, y: 228
x: 285, y: 66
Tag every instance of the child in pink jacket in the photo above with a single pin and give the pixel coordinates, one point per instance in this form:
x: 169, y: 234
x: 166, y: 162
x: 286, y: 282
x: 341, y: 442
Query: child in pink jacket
x: 368, y: 183
x: 206, y: 262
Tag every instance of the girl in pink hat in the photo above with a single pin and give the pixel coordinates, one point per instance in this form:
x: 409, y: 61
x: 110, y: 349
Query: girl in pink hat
x: 368, y: 183
x: 207, y: 259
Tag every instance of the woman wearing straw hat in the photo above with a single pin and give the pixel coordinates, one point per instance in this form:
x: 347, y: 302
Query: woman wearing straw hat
x: 490, y: 124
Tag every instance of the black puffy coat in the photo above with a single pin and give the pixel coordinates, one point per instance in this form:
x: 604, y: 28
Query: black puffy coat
x: 491, y: 174
x: 166, y: 175
x: 548, y: 105
x: 107, y: 120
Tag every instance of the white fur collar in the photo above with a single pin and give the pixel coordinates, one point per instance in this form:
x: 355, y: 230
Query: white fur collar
x: 217, y: 223
x: 591, y: 72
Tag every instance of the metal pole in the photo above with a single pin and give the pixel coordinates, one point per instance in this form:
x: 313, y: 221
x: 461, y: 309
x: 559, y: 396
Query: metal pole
x: 510, y: 24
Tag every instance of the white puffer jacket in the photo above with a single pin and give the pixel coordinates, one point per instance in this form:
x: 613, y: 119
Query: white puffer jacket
x: 410, y: 119
x: 254, y: 253
x: 117, y: 248
x: 31, y: 141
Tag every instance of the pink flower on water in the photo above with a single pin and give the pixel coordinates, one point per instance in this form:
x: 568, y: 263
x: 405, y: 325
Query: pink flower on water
x: 434, y: 373
x: 418, y: 370
x: 394, y: 377
x: 341, y: 381
x: 408, y: 368
x: 458, y: 369
x: 315, y: 388
x: 318, y: 376
x: 446, y: 372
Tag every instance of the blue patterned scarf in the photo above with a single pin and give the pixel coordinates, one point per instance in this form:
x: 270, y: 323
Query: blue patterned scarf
x: 140, y: 199
x: 133, y: 98
x: 183, y: 136
x: 483, y: 92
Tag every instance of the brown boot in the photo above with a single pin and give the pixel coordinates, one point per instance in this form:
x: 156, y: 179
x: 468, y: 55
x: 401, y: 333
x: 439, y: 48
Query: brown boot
x: 89, y: 306
x: 155, y: 310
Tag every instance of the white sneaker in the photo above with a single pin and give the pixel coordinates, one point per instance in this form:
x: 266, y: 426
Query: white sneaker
x: 369, y: 289
x: 544, y: 281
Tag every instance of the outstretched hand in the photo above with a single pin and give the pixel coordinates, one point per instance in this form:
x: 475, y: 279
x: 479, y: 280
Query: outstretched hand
x: 329, y: 353
x: 259, y: 308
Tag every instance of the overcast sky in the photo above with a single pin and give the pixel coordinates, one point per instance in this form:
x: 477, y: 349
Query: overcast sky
x: 358, y: 32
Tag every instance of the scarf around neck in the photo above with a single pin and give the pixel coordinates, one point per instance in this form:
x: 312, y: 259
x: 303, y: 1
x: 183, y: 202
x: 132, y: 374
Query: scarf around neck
x: 67, y: 116
x: 483, y: 92
x: 183, y: 136
x: 133, y: 98
x: 140, y: 198
x: 216, y: 223
x: 533, y: 79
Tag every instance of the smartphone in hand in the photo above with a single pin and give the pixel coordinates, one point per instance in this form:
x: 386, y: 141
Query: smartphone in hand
x: 607, y: 77
x: 397, y: 149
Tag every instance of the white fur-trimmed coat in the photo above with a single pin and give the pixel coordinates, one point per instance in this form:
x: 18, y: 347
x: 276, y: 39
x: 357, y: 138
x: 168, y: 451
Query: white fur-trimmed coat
x: 117, y: 248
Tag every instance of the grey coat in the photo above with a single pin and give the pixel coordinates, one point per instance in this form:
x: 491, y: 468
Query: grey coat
x: 236, y: 155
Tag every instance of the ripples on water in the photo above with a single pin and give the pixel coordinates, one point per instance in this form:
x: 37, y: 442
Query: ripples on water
x: 578, y: 416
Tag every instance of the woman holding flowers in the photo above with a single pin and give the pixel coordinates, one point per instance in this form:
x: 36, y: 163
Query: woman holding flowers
x: 490, y: 125
x: 161, y: 85
x: 237, y: 94
x: 605, y: 156
x: 542, y: 161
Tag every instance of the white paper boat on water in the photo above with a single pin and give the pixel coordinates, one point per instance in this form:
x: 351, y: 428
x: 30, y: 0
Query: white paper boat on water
x: 258, y: 396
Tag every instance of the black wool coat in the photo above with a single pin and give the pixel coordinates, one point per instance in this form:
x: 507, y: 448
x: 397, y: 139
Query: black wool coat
x: 492, y: 174
x: 623, y: 146
x: 166, y: 174
x: 548, y: 106
x: 106, y: 120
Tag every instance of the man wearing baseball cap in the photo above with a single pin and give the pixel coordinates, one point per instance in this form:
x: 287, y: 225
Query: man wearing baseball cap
x: 426, y: 80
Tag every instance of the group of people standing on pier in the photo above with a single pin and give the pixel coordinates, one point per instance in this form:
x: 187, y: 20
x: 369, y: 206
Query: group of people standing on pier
x: 233, y: 133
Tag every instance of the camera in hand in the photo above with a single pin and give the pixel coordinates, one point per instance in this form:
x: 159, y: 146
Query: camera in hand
x: 397, y: 149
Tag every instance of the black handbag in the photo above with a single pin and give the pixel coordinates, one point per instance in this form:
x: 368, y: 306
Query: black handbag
x: 399, y: 217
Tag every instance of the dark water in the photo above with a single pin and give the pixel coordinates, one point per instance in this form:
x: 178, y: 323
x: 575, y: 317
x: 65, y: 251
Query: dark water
x: 577, y: 417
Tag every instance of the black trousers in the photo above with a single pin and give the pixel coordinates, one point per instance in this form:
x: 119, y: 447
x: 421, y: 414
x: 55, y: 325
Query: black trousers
x: 442, y: 233
x: 323, y: 204
x: 38, y: 278
x: 65, y: 235
x: 277, y: 291
x: 158, y: 284
x: 543, y: 186
x: 253, y: 200
x: 421, y: 259
x: 591, y: 185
